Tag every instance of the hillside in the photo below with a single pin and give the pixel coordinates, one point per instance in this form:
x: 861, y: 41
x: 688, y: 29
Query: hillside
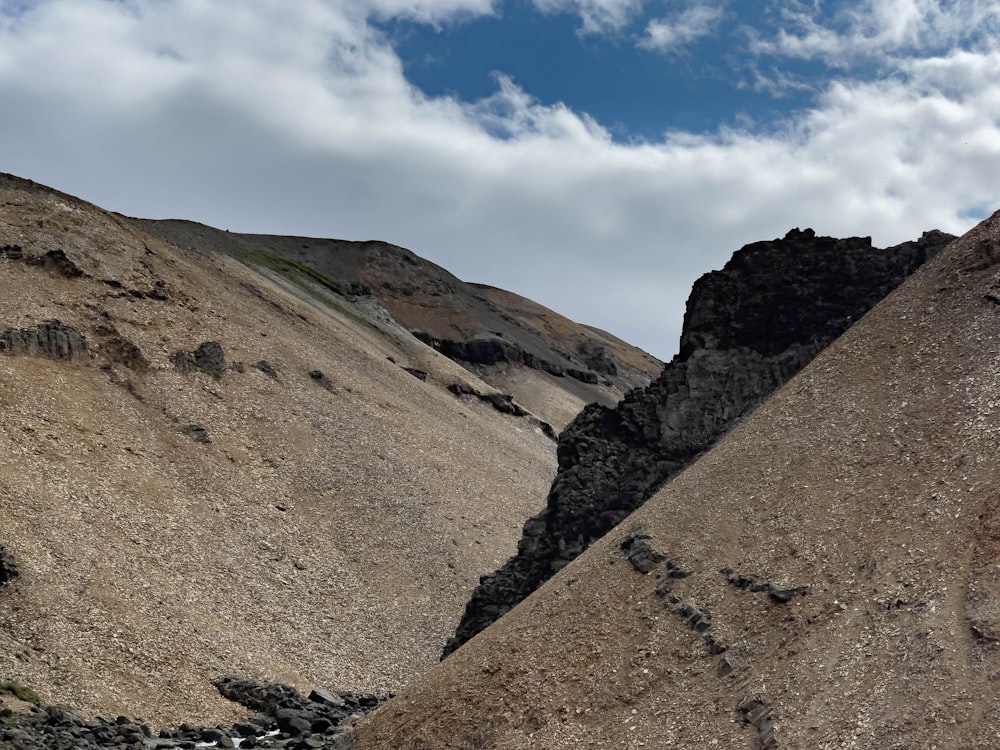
x: 206, y: 469
x: 748, y: 328
x: 549, y: 364
x: 824, y: 577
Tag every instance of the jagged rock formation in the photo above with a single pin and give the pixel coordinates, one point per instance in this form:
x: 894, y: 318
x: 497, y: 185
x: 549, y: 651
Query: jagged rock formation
x: 51, y: 338
x: 748, y: 329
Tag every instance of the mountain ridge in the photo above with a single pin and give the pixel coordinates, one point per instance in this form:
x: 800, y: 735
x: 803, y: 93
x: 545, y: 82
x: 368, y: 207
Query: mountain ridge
x: 551, y: 364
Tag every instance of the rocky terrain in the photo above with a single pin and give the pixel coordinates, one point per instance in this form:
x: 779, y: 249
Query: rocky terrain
x: 208, y: 470
x: 202, y: 430
x: 826, y: 576
x: 748, y: 328
x: 547, y: 363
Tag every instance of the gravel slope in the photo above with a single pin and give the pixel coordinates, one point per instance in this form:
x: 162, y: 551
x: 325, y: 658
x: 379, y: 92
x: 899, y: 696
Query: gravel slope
x: 329, y: 532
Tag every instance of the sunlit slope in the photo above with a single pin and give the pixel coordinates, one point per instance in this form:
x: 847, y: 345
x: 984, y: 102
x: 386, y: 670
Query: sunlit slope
x: 308, y: 511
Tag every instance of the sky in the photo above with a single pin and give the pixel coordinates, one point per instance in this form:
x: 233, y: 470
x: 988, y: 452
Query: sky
x: 596, y: 156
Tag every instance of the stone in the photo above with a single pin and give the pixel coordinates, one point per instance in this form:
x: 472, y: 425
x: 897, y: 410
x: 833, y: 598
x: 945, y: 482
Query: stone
x: 320, y: 379
x: 210, y: 358
x: 197, y: 432
x: 57, y: 262
x: 322, y: 725
x: 51, y: 338
x: 293, y: 721
x: 492, y: 350
x: 8, y: 566
x: 640, y: 552
x: 310, y: 743
x: 124, y: 352
x: 322, y: 695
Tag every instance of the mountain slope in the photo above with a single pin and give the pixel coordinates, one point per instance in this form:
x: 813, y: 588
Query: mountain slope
x: 205, y: 470
x: 547, y: 362
x: 748, y: 328
x: 825, y: 577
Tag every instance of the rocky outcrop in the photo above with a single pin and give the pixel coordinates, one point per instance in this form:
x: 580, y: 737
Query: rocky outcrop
x: 208, y: 358
x: 8, y: 566
x: 503, y: 403
x: 51, y: 339
x: 284, y: 719
x: 491, y: 350
x: 748, y: 329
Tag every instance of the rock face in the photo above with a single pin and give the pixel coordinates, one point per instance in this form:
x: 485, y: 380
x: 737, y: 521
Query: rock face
x: 51, y: 339
x: 748, y: 329
x: 8, y: 566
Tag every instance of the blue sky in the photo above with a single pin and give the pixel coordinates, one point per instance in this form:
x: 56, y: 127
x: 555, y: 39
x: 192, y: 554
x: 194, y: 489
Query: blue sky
x: 636, y: 91
x: 596, y: 156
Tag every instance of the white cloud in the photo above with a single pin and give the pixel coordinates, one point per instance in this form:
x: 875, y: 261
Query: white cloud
x: 434, y: 12
x: 597, y: 16
x: 297, y: 118
x: 881, y: 29
x: 671, y: 33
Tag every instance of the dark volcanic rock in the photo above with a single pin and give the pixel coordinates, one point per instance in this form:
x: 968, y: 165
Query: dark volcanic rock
x: 8, y: 566
x: 320, y: 379
x: 504, y: 404
x: 51, y: 338
x: 208, y: 358
x: 638, y: 548
x: 196, y: 432
x: 57, y: 262
x: 487, y: 350
x: 748, y: 329
x: 293, y: 712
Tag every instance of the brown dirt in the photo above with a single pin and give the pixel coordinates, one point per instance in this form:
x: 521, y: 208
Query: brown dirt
x: 321, y: 537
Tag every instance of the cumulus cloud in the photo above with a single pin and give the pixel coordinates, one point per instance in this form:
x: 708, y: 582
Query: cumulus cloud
x: 434, y: 12
x: 880, y: 29
x: 297, y: 118
x: 671, y: 33
x: 596, y: 16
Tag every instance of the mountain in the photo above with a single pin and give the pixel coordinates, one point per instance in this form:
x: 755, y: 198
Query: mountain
x: 748, y: 328
x: 549, y: 364
x: 824, y: 577
x: 208, y: 469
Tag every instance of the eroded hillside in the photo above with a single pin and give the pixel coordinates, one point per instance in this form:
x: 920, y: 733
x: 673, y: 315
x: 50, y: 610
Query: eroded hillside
x: 825, y: 577
x: 205, y: 470
x: 548, y: 363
